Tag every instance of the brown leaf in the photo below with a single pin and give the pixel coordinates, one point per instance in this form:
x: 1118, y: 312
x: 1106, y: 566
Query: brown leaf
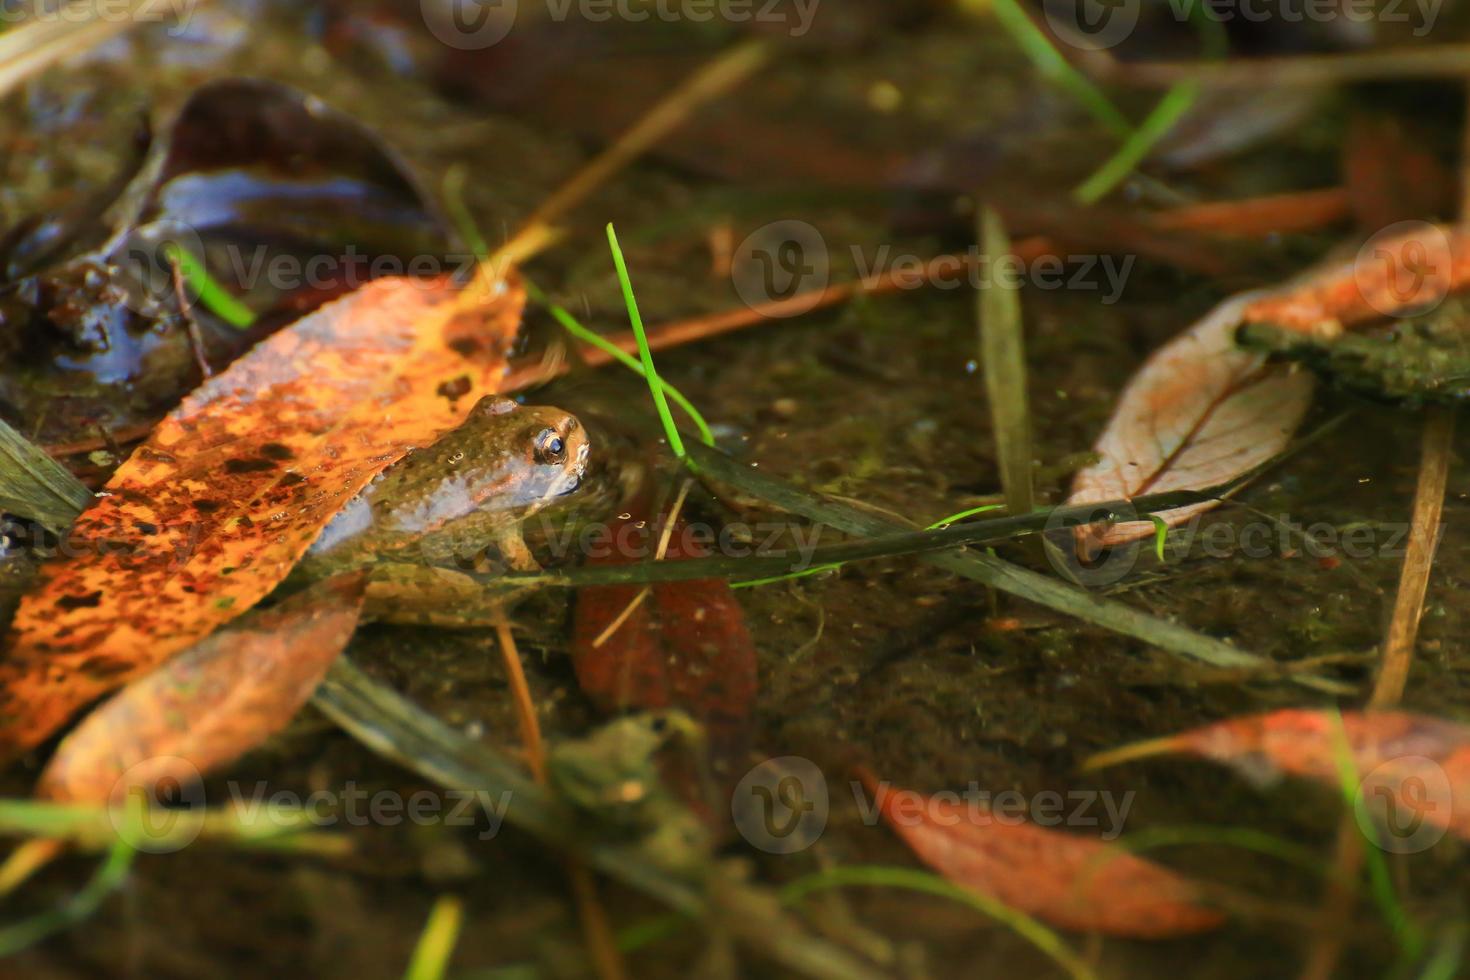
x: 1199, y: 412
x: 206, y: 708
x: 208, y: 515
x: 685, y: 645
x: 1066, y: 880
x: 1420, y: 763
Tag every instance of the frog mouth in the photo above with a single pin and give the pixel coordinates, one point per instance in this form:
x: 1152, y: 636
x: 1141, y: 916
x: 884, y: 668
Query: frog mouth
x: 574, y: 479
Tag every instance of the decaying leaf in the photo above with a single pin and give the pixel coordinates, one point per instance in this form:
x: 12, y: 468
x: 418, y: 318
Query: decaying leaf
x: 1404, y: 270
x: 1064, y: 879
x: 685, y: 645
x: 1199, y: 412
x: 1421, y: 763
x: 208, y: 515
x: 211, y: 705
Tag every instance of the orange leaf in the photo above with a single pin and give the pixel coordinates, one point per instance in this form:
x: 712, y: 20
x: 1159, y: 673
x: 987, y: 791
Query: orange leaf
x: 1066, y: 880
x: 211, y: 705
x: 1403, y: 270
x: 209, y: 514
x: 1419, y: 763
x: 1199, y: 412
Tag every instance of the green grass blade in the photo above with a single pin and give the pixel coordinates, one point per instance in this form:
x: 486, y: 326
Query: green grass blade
x: 34, y: 485
x: 436, y: 943
x: 912, y: 879
x: 1003, y: 360
x: 571, y: 325
x: 1057, y: 70
x: 212, y: 295
x: 1174, y: 104
x: 108, y: 878
x: 650, y: 373
x: 945, y: 522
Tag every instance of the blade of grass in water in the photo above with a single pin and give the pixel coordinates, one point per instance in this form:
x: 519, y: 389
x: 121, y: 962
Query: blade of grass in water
x: 650, y: 373
x: 1003, y: 358
x: 34, y: 485
x: 436, y: 943
x: 913, y: 879
x: 1055, y: 69
x: 895, y: 541
x: 460, y: 215
x: 1175, y: 103
x: 1405, y: 931
x: 109, y: 878
x: 212, y: 295
x: 1007, y: 577
x: 573, y: 327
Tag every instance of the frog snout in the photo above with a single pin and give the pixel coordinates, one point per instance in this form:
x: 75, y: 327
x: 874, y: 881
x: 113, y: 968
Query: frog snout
x: 576, y: 471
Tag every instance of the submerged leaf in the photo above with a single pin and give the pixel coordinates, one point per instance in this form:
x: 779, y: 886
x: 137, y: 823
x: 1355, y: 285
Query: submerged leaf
x: 1405, y: 269
x: 1416, y: 764
x: 684, y: 645
x: 208, y: 707
x: 1064, y: 879
x: 212, y: 511
x: 1197, y: 414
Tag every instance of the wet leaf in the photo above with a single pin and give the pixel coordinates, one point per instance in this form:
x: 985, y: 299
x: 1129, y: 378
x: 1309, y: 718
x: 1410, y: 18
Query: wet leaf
x: 206, y: 708
x: 285, y: 201
x: 208, y: 515
x: 1415, y: 763
x: 1063, y: 879
x: 1197, y: 414
x: 1404, y: 270
x: 685, y: 645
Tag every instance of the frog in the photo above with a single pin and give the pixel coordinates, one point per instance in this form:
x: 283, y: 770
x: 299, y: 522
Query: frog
x: 466, y: 492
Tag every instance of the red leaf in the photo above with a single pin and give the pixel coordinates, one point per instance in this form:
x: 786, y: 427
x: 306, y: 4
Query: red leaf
x: 1066, y: 880
x: 1421, y: 763
x: 685, y: 645
x: 211, y: 705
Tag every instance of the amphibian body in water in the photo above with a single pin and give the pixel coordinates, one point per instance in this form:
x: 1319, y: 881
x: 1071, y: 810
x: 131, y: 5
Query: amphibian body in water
x: 469, y: 490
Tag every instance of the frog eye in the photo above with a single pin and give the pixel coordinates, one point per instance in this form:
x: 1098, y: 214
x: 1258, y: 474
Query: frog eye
x: 549, y: 447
